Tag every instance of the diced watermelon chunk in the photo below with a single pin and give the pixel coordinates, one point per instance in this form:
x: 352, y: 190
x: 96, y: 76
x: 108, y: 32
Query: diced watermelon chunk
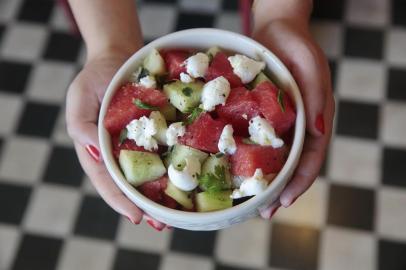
x: 239, y: 109
x: 220, y: 66
x: 204, y: 133
x: 250, y: 157
x: 154, y: 191
x: 174, y: 60
x: 122, y: 110
x: 126, y: 145
x: 266, y: 95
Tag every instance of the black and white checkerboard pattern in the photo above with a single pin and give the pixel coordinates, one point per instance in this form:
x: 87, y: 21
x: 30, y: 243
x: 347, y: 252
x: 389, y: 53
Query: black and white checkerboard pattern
x: 353, y: 217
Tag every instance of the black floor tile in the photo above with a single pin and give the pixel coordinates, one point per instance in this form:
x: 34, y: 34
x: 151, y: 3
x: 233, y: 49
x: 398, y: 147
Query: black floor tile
x: 393, y: 168
x: 230, y: 5
x: 364, y: 43
x: 131, y: 259
x: 1, y: 32
x: 294, y: 247
x: 391, y: 255
x: 14, y: 76
x: 358, y: 119
x: 398, y: 13
x: 192, y: 20
x: 37, y: 11
x: 37, y: 252
x: 13, y: 202
x: 162, y: 1
x: 96, y: 219
x: 225, y: 267
x: 63, y: 47
x: 332, y: 9
x: 397, y: 84
x: 333, y: 72
x: 38, y: 119
x: 351, y: 207
x: 64, y: 167
x: 201, y: 243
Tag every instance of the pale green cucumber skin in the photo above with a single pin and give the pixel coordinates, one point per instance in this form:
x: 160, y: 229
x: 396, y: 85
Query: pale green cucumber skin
x: 160, y: 121
x: 178, y: 99
x: 261, y: 77
x: 213, y: 201
x: 154, y: 63
x: 182, y: 197
x: 141, y: 167
x: 180, y: 153
x: 211, y: 162
x: 169, y: 112
x: 212, y: 51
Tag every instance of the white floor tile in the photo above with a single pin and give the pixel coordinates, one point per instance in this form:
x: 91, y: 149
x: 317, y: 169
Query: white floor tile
x: 230, y: 22
x: 395, y: 47
x: 328, y: 35
x: 368, y: 12
x: 52, y: 210
x: 253, y: 233
x: 60, y: 133
x: 208, y: 6
x: 175, y: 261
x: 8, y: 9
x: 59, y: 20
x: 393, y: 130
x: 152, y: 16
x: 10, y: 110
x: 9, y: 239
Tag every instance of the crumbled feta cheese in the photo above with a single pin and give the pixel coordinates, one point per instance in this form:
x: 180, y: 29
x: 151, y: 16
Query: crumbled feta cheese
x: 245, y: 116
x: 185, y: 78
x: 174, y: 131
x: 185, y: 179
x: 141, y: 131
x: 263, y: 133
x: 245, y: 68
x: 215, y: 92
x: 148, y: 81
x: 251, y: 186
x: 197, y: 65
x: 237, y: 181
x: 226, y: 143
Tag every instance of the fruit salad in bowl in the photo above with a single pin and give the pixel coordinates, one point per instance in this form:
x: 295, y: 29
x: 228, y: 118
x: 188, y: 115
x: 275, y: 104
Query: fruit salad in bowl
x: 191, y: 131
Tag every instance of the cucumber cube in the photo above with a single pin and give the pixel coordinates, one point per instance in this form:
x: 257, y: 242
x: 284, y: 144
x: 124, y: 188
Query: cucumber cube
x: 180, y: 153
x: 161, y: 125
x: 261, y: 77
x: 182, y: 197
x: 154, y: 63
x: 169, y: 112
x: 210, y: 164
x: 212, y: 201
x: 184, y: 96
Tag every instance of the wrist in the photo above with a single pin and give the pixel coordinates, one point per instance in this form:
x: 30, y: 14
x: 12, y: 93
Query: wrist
x: 122, y: 51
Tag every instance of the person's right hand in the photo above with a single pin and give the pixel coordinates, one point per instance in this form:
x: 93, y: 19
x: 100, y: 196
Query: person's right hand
x: 82, y: 109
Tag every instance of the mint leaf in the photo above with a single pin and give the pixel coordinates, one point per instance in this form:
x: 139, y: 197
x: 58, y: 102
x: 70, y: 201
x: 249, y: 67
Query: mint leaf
x: 194, y: 114
x: 280, y: 100
x: 123, y: 136
x: 187, y: 91
x: 214, y: 182
x: 137, y: 102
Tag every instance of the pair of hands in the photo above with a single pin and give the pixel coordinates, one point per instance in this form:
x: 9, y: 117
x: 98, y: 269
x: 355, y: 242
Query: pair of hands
x: 292, y: 43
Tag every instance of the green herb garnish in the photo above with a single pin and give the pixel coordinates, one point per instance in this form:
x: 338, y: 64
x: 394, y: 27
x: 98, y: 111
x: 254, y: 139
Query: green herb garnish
x: 214, y: 182
x: 280, y: 100
x: 187, y: 91
x: 137, y: 102
x: 247, y: 141
x: 219, y: 155
x: 123, y: 136
x: 194, y: 114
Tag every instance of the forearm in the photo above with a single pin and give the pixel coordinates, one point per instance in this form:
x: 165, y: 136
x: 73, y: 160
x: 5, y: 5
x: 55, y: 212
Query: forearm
x: 108, y: 25
x: 266, y: 11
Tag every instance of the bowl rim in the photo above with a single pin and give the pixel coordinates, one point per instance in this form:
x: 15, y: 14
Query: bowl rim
x: 196, y: 217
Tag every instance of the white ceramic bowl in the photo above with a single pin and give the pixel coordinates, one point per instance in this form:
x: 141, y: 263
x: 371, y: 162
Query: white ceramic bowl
x: 204, y: 38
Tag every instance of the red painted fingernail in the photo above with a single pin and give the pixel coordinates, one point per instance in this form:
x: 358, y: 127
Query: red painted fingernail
x: 274, y: 212
x: 320, y: 123
x: 93, y: 152
x: 151, y: 223
x: 132, y: 221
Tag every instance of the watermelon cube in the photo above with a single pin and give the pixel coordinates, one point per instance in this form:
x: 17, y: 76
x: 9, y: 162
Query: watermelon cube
x: 154, y: 190
x: 174, y: 60
x: 249, y: 157
x: 239, y: 109
x: 266, y: 95
x: 125, y: 145
x: 204, y: 133
x: 122, y: 110
x: 220, y: 66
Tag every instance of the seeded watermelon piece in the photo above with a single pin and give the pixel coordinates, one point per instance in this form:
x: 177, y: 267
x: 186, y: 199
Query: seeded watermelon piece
x: 122, y: 110
x: 220, y: 66
x: 239, y: 109
x: 266, y: 95
x: 174, y: 60
x: 249, y: 157
x: 154, y: 190
x: 204, y: 133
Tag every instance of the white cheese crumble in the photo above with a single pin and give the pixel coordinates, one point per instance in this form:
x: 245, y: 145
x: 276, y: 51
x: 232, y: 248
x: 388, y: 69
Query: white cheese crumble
x: 148, y: 81
x: 185, y: 78
x: 245, y: 68
x: 197, y: 65
x: 185, y: 179
x: 226, y: 143
x: 251, y: 186
x: 262, y: 133
x: 142, y: 131
x: 174, y: 131
x: 215, y: 92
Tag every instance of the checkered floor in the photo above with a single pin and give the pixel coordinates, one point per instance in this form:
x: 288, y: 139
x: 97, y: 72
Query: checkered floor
x: 353, y: 217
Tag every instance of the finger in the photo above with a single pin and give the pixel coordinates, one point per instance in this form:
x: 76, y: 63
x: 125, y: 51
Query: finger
x: 311, y: 160
x: 270, y: 211
x: 105, y: 186
x: 159, y: 226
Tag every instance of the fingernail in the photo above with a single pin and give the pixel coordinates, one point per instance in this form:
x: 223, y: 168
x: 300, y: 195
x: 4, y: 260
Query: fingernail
x: 290, y: 203
x: 132, y: 221
x: 151, y: 223
x: 320, y: 123
x: 93, y: 152
x: 274, y: 212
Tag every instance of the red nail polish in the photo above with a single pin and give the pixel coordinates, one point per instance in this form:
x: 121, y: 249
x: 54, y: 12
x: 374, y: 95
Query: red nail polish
x: 320, y: 123
x: 151, y: 223
x: 93, y: 152
x: 274, y: 212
